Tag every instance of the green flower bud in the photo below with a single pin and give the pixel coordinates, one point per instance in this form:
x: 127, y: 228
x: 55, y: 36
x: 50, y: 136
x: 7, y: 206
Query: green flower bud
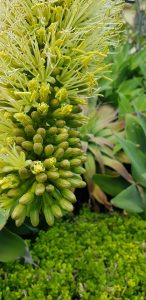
x: 76, y: 109
x: 41, y: 177
x: 52, y: 175
x: 14, y: 193
x: 26, y: 198
x: 20, y: 221
x: 38, y: 148
x: 19, y: 140
x: 35, y: 116
x: 42, y: 132
x: 62, y: 130
x: 59, y: 154
x: 18, y: 132
x: 67, y: 194
x: 29, y: 130
x: 62, y: 183
x: 60, y: 123
x: 74, y: 123
x: 49, y: 149
x: 73, y: 141
x: 66, y: 205
x: 38, y: 138
x: 83, y: 158
x: 64, y: 164
x: 24, y: 173
x: 63, y: 145
x: 65, y: 173
x: 52, y: 130
x: 74, y: 133
x: 34, y: 217
x: 76, y: 183
x: 27, y: 145
x: 18, y: 211
x: 18, y: 149
x: 75, y: 162
x: 78, y: 170
x: 62, y: 137
x: 54, y: 103
x: 29, y: 196
x: 71, y: 152
x: 56, y: 210
x: 48, y: 215
x: 40, y: 189
x: 49, y: 162
x: 50, y: 188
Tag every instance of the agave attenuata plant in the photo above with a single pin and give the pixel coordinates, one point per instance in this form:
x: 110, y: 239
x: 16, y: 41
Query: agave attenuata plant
x: 104, y: 154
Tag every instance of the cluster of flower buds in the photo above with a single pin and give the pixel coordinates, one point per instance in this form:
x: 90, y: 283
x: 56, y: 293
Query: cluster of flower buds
x: 50, y: 54
x: 55, y: 164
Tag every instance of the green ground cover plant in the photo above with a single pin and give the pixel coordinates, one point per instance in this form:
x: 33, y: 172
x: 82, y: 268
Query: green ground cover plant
x: 94, y: 257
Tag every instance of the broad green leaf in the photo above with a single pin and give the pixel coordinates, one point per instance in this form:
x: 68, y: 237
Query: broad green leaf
x: 129, y: 200
x: 4, y: 214
x: 137, y: 158
x: 135, y: 132
x: 11, y: 246
x: 112, y: 185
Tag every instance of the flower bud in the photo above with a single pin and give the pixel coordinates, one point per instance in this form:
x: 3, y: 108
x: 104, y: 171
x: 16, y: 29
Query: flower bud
x: 65, y: 173
x: 38, y: 148
x: 18, y: 211
x: 50, y: 188
x: 67, y: 194
x: 19, y: 140
x: 52, y: 175
x: 66, y: 205
x: 71, y: 152
x: 73, y: 141
x: 41, y: 177
x: 24, y: 173
x: 75, y: 162
x: 49, y: 149
x: 29, y: 130
x: 58, y: 154
x: 63, y: 145
x: 62, y: 137
x: 60, y: 123
x: 49, y: 162
x: 27, y: 145
x: 56, y: 210
x: 34, y: 217
x: 42, y: 132
x: 38, y: 138
x: 48, y: 215
x: 40, y: 189
x: 62, y: 183
x: 64, y: 164
x: 52, y: 130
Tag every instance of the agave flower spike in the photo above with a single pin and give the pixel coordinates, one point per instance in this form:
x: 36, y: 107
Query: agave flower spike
x: 51, y: 55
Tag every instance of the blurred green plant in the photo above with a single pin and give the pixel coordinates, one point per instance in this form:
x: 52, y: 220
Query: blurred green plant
x: 127, y: 86
x: 133, y: 199
x: 104, y: 155
x: 90, y: 257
